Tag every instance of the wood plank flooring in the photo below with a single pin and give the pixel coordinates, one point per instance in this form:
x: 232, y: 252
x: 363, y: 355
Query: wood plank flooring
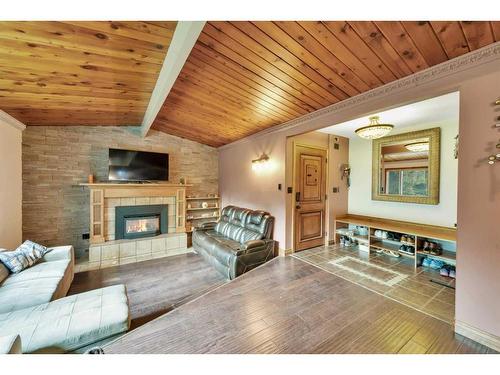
x: 154, y: 287
x: 289, y: 306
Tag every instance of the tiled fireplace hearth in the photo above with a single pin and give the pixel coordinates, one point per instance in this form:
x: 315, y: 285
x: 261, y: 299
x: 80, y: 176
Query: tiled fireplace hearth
x: 134, y: 222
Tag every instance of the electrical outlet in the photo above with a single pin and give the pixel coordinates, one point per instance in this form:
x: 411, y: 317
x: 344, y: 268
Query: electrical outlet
x: 335, y: 190
x: 85, y: 236
x: 289, y: 190
x: 336, y: 146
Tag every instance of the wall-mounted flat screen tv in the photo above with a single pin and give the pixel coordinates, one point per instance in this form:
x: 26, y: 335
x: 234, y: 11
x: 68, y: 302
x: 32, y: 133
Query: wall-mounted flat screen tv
x: 128, y: 165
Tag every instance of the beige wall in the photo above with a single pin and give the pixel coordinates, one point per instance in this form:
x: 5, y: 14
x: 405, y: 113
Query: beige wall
x: 56, y: 159
x: 10, y: 185
x: 477, y: 77
x: 478, y: 257
x: 338, y: 202
x: 360, y: 193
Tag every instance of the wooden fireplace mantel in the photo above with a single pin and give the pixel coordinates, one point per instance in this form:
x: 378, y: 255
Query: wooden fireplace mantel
x: 101, y: 190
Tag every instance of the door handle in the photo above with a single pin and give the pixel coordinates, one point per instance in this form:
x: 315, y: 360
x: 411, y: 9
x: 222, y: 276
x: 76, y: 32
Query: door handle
x: 297, y: 196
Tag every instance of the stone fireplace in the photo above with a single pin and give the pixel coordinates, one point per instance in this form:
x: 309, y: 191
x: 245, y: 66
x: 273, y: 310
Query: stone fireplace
x: 135, y: 222
x: 140, y: 221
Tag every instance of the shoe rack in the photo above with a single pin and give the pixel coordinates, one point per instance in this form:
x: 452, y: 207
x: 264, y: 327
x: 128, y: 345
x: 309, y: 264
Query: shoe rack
x: 412, y: 235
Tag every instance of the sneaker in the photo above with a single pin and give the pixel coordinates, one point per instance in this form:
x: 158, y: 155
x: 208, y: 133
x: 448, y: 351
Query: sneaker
x: 444, y: 272
x: 436, y: 264
x: 426, y: 262
x: 452, y: 273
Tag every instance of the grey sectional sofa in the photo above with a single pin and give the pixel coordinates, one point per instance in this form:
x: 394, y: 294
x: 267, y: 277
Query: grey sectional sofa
x: 33, y: 305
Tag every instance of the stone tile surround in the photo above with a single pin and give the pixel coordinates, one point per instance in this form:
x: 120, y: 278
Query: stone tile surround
x: 111, y: 203
x: 115, y: 253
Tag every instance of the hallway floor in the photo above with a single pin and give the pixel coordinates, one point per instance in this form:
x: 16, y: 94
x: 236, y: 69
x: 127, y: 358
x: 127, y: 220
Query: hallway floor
x: 395, y: 278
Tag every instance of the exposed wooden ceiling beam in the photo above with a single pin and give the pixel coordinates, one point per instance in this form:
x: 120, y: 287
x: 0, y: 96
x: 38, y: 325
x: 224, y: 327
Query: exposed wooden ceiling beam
x: 185, y: 36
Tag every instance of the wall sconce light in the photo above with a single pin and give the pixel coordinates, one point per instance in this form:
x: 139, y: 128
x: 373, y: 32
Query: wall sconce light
x: 258, y: 164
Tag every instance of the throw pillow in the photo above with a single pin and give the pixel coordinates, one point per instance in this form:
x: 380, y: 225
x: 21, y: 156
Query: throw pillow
x: 23, y: 257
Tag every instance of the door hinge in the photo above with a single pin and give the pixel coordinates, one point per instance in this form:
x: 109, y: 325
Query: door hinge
x: 326, y: 196
x: 326, y: 160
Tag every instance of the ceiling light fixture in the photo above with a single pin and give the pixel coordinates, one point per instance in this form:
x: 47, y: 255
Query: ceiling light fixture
x: 418, y: 146
x: 374, y: 130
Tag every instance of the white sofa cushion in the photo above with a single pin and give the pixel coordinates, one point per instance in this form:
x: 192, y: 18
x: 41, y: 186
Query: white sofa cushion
x: 71, y: 322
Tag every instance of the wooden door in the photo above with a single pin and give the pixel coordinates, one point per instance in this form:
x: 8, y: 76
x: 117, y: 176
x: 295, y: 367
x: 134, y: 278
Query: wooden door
x: 310, y: 197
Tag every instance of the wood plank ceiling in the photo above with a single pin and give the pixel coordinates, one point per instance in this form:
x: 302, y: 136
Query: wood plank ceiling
x: 240, y: 78
x: 243, y: 77
x: 80, y: 73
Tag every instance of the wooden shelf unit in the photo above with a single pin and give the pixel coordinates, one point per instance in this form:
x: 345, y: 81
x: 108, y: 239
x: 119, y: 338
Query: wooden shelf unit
x: 420, y: 233
x: 194, y: 208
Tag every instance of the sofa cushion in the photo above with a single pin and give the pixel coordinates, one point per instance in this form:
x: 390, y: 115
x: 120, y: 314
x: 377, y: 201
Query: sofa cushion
x: 41, y: 270
x: 23, y: 257
x: 71, y: 322
x: 28, y: 293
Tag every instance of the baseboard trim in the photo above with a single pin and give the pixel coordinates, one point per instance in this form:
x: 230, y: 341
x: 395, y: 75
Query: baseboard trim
x: 480, y: 336
x: 284, y: 252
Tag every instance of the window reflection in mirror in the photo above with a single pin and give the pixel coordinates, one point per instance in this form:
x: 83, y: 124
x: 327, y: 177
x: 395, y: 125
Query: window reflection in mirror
x: 404, y: 168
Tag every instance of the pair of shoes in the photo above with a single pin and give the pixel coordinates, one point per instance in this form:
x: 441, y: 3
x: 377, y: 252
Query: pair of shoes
x: 436, y: 264
x: 448, y: 271
x: 426, y: 262
x: 432, y: 248
x: 408, y: 239
x: 407, y: 249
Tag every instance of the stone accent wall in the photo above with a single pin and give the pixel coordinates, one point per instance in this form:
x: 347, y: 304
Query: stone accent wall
x: 57, y: 158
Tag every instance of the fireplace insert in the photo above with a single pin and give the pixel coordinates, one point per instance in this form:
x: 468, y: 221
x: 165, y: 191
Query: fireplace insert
x: 140, y: 221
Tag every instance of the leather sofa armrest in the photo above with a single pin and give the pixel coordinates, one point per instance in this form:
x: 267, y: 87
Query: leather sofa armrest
x: 252, y: 245
x: 206, y: 226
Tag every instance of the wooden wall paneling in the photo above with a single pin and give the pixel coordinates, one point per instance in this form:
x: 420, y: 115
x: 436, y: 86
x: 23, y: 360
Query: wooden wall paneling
x: 321, y: 95
x: 54, y: 72
x: 245, y: 55
x: 346, y: 34
x: 244, y: 86
x: 329, y: 91
x: 495, y: 27
x: 477, y: 33
x: 332, y: 64
x: 230, y: 67
x: 402, y: 42
x: 291, y: 93
x: 426, y: 41
x: 239, y: 98
x: 372, y: 36
x: 451, y: 36
x: 323, y: 35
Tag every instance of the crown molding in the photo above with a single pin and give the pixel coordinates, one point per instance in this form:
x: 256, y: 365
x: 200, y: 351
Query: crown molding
x: 457, y: 65
x: 5, y: 118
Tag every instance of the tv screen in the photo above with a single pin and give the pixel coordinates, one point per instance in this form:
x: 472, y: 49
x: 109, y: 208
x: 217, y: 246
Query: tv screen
x: 128, y: 165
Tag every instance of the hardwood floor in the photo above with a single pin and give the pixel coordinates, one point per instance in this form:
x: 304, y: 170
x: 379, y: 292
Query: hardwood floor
x: 289, y: 306
x: 154, y: 287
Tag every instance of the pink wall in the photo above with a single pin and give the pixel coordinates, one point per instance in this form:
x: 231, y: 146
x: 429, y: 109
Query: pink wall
x: 478, y: 255
x: 241, y: 186
x: 478, y: 279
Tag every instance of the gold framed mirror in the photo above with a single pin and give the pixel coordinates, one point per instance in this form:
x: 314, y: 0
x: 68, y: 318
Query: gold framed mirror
x: 405, y: 167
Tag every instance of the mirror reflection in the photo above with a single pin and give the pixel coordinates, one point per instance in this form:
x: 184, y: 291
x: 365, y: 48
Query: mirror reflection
x: 404, y: 168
